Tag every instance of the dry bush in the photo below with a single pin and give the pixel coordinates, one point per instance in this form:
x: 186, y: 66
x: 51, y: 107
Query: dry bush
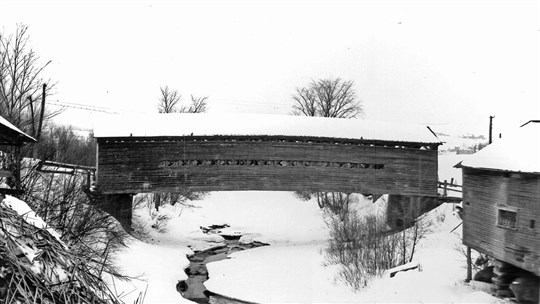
x: 182, y: 198
x: 303, y: 195
x: 335, y: 202
x: 359, y: 246
x: 38, y: 268
x: 152, y: 201
x: 160, y: 222
x: 59, y: 199
x: 363, y: 248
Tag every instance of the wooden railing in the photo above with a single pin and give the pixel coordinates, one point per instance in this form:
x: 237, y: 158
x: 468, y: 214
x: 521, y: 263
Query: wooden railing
x: 449, y: 187
x: 71, y: 169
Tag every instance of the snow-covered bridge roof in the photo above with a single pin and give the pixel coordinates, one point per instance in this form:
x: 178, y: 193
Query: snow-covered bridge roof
x: 518, y: 152
x: 155, y: 125
x: 11, y: 135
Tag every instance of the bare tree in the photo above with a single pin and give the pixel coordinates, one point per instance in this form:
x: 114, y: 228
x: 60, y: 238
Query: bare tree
x: 327, y: 98
x: 61, y: 144
x: 170, y: 102
x: 21, y: 82
x: 198, y: 105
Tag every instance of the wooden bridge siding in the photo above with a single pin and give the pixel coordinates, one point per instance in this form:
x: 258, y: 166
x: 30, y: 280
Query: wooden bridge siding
x: 244, y: 178
x: 483, y: 193
x: 124, y: 167
x: 252, y: 150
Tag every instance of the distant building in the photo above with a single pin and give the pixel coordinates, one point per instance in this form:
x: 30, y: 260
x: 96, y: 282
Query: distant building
x: 501, y: 204
x: 11, y: 140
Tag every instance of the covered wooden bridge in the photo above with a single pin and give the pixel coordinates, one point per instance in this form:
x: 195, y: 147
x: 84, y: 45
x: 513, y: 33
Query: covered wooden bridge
x: 204, y: 152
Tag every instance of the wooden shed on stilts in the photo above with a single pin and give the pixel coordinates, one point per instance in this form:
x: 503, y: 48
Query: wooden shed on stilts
x: 501, y: 206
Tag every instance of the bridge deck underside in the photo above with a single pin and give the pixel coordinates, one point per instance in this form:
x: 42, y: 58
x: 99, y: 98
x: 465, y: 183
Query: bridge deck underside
x: 208, y: 164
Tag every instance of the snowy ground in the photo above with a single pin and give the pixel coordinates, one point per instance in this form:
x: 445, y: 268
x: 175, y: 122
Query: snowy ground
x: 292, y: 269
x: 271, y: 217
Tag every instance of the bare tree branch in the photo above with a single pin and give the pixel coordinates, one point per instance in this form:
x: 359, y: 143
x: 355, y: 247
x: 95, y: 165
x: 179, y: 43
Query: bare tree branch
x: 306, y: 102
x: 168, y: 103
x: 327, y: 98
x: 170, y: 100
x: 198, y: 104
x: 21, y: 81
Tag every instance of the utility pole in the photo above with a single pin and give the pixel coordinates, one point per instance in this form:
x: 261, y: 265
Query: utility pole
x: 490, y: 128
x: 43, y: 94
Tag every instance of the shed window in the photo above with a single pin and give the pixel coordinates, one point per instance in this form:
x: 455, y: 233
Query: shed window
x: 507, y: 218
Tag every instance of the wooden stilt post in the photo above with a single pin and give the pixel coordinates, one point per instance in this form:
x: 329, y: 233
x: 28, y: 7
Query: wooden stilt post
x: 469, y: 265
x: 445, y: 192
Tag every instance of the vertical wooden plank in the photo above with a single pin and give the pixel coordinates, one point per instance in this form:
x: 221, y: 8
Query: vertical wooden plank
x: 469, y: 265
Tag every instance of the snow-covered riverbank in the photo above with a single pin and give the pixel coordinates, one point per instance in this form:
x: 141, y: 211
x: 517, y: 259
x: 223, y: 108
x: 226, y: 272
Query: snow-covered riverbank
x: 278, y: 218
x: 293, y: 268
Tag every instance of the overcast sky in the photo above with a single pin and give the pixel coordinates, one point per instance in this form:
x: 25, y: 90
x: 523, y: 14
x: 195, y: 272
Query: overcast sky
x: 449, y: 64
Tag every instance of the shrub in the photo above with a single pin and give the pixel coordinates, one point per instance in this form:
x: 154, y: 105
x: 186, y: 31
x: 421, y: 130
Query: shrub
x: 39, y: 268
x: 59, y: 199
x: 364, y: 248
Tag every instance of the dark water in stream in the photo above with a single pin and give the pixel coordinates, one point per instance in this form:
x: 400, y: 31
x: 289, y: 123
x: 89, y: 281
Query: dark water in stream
x: 193, y: 288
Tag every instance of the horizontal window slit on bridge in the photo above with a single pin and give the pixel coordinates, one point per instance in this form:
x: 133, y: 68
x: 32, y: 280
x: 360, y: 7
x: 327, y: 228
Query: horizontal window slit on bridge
x: 275, y: 163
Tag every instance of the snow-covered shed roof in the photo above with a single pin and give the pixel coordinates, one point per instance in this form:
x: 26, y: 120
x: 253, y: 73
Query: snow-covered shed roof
x: 176, y: 124
x: 11, y: 135
x: 517, y: 152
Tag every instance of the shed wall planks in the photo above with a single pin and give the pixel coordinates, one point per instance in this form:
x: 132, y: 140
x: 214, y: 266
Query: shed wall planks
x: 484, y: 193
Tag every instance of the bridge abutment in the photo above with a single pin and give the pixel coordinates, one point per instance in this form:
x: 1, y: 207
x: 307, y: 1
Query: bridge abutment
x: 120, y: 207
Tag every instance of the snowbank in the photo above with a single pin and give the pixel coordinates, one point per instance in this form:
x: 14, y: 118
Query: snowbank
x: 297, y: 274
x: 271, y: 217
x: 279, y: 274
x: 265, y: 216
x: 157, y: 269
x: 29, y: 215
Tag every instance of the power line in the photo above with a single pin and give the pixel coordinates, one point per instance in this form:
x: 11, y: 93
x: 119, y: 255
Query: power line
x: 92, y: 108
x: 82, y: 107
